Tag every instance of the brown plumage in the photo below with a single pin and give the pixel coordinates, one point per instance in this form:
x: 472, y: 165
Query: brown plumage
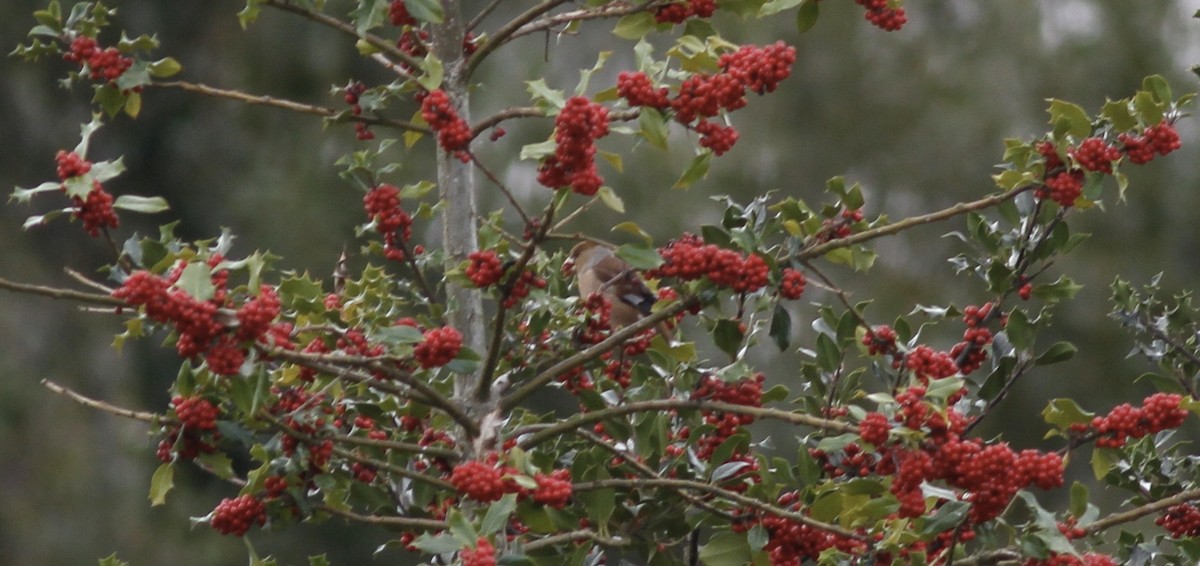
x: 597, y: 269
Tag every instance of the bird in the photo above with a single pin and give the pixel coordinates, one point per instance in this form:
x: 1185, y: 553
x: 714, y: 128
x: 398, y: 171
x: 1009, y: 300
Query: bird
x: 598, y: 270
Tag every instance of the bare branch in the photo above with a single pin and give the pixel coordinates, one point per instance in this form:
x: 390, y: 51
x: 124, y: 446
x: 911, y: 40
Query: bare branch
x: 956, y: 210
x: 375, y: 41
x: 144, y: 416
x: 570, y: 424
x: 284, y: 104
x: 59, y: 293
x: 733, y: 496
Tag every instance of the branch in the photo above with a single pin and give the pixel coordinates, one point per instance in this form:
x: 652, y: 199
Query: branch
x: 350, y: 455
x: 575, y: 421
x: 59, y: 293
x: 960, y: 208
x: 991, y: 557
x: 506, y: 114
x: 503, y: 189
x: 612, y: 10
x: 430, y: 451
x: 406, y: 522
x: 616, y: 339
x: 425, y: 393
x: 571, y: 536
x: 507, y: 32
x: 285, y: 104
x: 725, y: 494
x: 1139, y: 512
x: 144, y: 416
x: 483, y: 392
x: 647, y: 471
x: 348, y: 29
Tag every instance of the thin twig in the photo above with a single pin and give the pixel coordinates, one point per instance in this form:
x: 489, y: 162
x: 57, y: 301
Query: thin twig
x: 572, y: 536
x: 393, y: 67
x: 346, y: 28
x: 84, y: 280
x: 506, y: 32
x: 503, y: 189
x: 866, y: 235
x: 405, y: 522
x: 430, y: 451
x: 506, y: 114
x: 616, y: 339
x: 144, y: 416
x: 1139, y: 512
x: 475, y: 21
x: 420, y: 391
x: 656, y: 405
x: 483, y: 390
x: 284, y: 104
x: 350, y: 455
x: 641, y: 483
x: 60, y: 293
x: 612, y: 10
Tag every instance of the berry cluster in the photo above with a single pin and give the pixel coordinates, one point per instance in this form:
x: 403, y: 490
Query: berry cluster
x: 1063, y: 188
x: 717, y: 138
x: 487, y: 481
x: 1064, y: 184
x: 485, y: 268
x: 454, y: 134
x: 382, y: 205
x: 576, y: 129
x: 637, y: 90
x: 1087, y: 559
x: 792, y: 283
x: 187, y: 441
x: 520, y: 288
x: 838, y: 226
x: 882, y: 16
x: 679, y: 12
x: 874, y: 429
x: 95, y: 209
x: 746, y: 391
x: 1094, y: 154
x: 1159, y: 412
x: 69, y: 164
x: 398, y: 14
x: 484, y: 554
x: 880, y: 340
x: 354, y: 92
x: 597, y: 323
x: 195, y: 322
x: 702, y: 96
x: 553, y: 490
x: 792, y: 543
x: 987, y: 476
x: 689, y: 258
x: 105, y: 64
x: 439, y: 347
x: 1161, y: 139
x: 236, y: 516
x: 970, y: 354
x: 1182, y: 521
x: 195, y: 413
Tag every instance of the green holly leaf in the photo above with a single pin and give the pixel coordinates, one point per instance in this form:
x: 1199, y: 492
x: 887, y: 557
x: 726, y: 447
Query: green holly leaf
x: 145, y: 205
x: 161, y: 483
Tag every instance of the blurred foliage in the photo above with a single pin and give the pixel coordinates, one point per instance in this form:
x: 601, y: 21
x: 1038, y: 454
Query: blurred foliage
x: 917, y: 117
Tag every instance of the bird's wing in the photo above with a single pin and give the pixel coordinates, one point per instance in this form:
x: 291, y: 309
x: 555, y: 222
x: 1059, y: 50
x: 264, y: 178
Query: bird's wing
x: 624, y: 283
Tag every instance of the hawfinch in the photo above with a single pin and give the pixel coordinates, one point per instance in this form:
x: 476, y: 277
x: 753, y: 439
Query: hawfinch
x: 598, y: 270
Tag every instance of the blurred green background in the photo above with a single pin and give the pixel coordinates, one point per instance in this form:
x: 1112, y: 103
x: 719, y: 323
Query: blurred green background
x: 916, y: 116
